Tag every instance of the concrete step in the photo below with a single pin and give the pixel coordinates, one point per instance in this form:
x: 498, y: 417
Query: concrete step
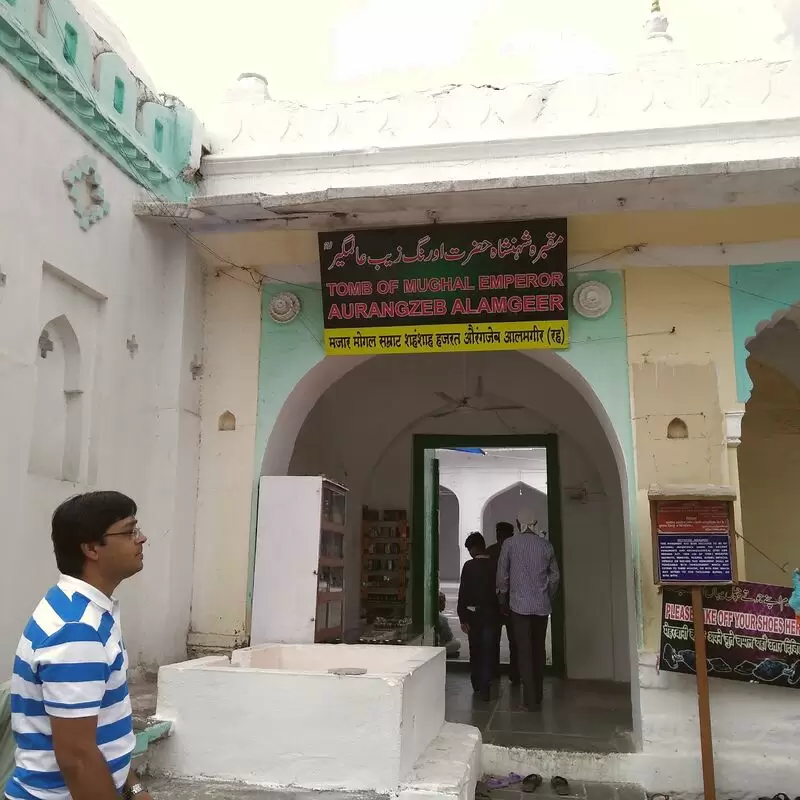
x: 447, y: 770
x: 582, y: 790
x: 591, y: 776
x: 449, y: 767
x: 173, y: 789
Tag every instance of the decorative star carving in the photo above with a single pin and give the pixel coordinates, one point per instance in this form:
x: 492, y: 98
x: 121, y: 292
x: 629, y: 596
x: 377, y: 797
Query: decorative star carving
x: 86, y: 192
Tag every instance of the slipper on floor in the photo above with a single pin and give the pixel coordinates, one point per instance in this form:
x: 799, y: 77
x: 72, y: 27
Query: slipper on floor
x: 560, y: 786
x: 503, y: 783
x: 530, y: 783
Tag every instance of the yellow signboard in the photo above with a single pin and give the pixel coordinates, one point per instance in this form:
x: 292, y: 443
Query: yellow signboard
x: 550, y: 335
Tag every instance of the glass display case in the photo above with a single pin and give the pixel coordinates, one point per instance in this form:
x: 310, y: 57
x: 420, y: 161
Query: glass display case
x: 330, y: 573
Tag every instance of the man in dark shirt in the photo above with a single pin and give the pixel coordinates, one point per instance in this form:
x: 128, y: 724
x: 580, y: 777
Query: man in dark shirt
x: 478, y: 612
x: 504, y: 531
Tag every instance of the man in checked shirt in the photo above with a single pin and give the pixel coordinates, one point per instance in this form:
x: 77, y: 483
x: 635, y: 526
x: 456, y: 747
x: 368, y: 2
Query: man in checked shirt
x: 527, y: 580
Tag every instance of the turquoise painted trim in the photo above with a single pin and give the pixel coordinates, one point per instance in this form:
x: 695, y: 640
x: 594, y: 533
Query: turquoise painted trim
x: 759, y: 292
x: 152, y: 733
x: 287, y: 352
x: 60, y: 66
x: 599, y: 352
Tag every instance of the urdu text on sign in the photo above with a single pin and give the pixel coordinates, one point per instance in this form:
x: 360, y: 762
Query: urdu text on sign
x: 445, y: 288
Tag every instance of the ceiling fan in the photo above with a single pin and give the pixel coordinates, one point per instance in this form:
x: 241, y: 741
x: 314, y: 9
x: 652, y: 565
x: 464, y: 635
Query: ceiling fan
x: 467, y: 403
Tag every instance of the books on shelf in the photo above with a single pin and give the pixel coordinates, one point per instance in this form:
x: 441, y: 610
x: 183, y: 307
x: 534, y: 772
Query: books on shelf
x: 384, y: 562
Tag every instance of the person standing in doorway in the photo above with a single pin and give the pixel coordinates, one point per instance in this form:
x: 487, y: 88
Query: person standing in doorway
x: 71, y: 713
x: 478, y: 612
x: 504, y: 531
x: 527, y: 580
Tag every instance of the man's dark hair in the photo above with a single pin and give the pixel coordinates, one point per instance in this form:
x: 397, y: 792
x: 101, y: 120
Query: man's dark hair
x: 504, y: 530
x: 84, y: 519
x: 475, y: 541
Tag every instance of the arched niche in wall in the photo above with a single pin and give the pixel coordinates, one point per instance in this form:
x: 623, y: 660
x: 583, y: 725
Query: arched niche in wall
x: 55, y: 450
x: 227, y: 421
x: 677, y: 429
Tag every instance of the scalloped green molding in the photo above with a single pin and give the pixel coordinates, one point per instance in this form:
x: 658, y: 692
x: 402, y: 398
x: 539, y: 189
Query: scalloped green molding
x: 56, y: 54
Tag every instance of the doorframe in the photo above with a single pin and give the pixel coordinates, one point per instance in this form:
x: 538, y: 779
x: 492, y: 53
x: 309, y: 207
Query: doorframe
x: 547, y: 441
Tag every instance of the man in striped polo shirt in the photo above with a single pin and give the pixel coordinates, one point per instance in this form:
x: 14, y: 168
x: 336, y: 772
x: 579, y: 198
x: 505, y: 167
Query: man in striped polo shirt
x: 70, y: 709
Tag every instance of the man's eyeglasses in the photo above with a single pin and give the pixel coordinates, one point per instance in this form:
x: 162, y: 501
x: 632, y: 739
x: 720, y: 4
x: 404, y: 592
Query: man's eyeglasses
x: 135, y: 535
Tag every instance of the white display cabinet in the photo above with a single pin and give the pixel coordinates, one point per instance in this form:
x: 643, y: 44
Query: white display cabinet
x: 298, y: 589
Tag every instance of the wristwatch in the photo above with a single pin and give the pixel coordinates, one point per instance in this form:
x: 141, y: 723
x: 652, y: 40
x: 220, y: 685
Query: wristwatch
x: 132, y: 791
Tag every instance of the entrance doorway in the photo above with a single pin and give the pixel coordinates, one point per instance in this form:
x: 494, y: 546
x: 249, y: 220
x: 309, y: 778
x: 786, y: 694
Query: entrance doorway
x: 507, y: 478
x: 379, y: 427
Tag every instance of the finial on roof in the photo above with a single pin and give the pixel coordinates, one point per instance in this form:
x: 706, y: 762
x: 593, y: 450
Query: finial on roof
x: 251, y: 87
x: 658, y: 23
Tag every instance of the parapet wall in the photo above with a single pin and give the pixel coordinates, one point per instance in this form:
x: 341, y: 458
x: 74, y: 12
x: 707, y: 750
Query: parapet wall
x: 47, y: 44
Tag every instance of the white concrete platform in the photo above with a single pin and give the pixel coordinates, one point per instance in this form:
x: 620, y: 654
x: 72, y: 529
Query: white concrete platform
x: 277, y: 716
x: 448, y: 769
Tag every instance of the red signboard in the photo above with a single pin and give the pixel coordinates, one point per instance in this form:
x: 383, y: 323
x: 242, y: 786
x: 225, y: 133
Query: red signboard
x: 692, y: 516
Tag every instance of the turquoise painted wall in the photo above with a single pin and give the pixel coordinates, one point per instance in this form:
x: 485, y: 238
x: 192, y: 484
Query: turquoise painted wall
x: 287, y: 352
x: 758, y: 293
x: 598, y: 351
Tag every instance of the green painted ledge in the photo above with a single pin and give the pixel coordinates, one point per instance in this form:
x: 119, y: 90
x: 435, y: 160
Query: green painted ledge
x: 70, y: 92
x: 154, y: 732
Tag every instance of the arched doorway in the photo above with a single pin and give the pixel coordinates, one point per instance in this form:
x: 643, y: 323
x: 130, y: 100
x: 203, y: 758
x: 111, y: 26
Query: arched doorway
x: 514, y: 503
x: 449, y: 556
x: 354, y: 420
x: 769, y: 456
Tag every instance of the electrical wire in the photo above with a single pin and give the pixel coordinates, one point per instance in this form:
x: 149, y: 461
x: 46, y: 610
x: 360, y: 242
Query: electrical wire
x: 259, y: 279
x: 782, y: 567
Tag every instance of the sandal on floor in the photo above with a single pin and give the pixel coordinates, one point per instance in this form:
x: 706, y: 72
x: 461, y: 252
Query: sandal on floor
x: 530, y: 783
x: 560, y: 786
x: 503, y: 783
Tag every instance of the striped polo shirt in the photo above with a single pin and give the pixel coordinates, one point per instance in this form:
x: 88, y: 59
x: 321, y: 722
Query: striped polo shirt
x: 70, y: 662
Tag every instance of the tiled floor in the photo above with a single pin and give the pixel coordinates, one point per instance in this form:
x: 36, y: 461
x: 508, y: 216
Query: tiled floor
x: 579, y: 716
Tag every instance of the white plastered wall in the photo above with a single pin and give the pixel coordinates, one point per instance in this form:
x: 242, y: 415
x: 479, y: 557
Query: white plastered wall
x: 138, y: 411
x: 477, y: 479
x: 230, y: 385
